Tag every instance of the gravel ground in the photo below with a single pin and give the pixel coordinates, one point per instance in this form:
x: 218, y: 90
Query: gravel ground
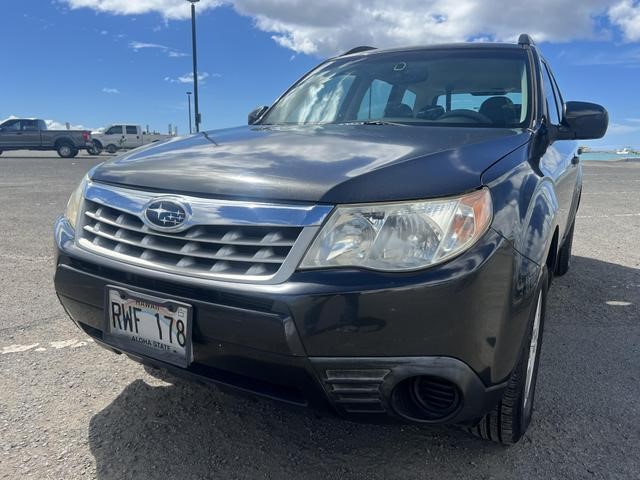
x: 69, y: 409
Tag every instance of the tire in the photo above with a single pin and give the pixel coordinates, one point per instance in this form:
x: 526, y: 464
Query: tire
x: 111, y: 148
x: 74, y: 153
x: 66, y: 149
x: 96, y: 149
x: 564, y: 255
x: 510, y: 418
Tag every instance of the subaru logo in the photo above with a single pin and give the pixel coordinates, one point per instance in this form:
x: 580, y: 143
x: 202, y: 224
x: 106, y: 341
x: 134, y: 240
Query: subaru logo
x: 165, y: 214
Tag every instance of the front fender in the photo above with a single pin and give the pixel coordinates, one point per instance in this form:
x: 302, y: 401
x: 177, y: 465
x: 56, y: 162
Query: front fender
x: 525, y: 205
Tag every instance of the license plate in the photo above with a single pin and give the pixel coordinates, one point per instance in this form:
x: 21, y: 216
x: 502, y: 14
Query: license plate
x: 148, y: 325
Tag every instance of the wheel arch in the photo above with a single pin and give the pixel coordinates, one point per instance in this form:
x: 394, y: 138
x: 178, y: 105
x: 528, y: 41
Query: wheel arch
x: 64, y: 141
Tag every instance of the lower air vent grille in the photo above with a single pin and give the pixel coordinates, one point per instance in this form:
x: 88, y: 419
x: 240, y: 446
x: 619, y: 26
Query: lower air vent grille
x: 356, y: 391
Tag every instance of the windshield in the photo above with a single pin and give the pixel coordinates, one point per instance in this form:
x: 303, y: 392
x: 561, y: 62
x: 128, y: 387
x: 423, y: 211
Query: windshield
x: 467, y: 87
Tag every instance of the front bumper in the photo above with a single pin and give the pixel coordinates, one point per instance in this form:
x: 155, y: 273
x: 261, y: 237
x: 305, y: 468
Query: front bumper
x: 345, y: 340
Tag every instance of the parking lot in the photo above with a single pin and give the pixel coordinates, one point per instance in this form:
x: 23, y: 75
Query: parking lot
x: 69, y: 409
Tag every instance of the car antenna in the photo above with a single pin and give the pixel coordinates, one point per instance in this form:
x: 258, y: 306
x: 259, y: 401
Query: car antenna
x: 525, y: 39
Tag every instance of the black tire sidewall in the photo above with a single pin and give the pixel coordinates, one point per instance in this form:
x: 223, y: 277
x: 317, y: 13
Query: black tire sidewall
x: 97, y: 147
x: 525, y: 416
x: 65, y: 145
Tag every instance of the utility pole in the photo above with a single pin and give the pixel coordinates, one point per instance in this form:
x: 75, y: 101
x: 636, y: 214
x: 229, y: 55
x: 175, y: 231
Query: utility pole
x: 195, y: 63
x: 189, y: 103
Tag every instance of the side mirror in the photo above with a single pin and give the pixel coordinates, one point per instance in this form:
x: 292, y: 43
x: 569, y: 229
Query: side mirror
x: 583, y: 121
x: 254, y: 115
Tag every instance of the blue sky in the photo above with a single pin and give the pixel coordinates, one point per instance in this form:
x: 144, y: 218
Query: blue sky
x: 94, y: 62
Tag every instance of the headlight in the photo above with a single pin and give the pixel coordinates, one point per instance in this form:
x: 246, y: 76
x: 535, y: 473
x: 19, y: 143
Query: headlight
x: 400, y: 236
x: 75, y: 200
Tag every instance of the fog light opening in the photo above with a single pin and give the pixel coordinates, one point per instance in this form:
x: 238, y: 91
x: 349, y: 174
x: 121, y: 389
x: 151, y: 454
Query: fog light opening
x: 426, y: 398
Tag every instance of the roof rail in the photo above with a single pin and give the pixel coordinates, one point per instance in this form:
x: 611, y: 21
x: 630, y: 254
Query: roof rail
x: 361, y: 48
x: 525, y: 39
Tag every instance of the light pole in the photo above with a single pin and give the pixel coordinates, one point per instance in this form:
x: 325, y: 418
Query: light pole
x: 189, y: 103
x: 195, y: 63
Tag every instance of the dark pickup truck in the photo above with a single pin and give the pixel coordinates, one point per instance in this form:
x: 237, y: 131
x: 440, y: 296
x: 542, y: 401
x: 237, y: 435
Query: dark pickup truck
x: 32, y: 134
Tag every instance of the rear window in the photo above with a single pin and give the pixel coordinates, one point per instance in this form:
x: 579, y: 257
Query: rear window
x: 131, y: 130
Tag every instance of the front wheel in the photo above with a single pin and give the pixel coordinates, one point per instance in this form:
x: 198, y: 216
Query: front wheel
x: 95, y: 149
x: 509, y: 420
x: 66, y: 150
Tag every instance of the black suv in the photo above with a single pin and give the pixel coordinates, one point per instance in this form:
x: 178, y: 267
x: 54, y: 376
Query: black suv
x: 379, y: 242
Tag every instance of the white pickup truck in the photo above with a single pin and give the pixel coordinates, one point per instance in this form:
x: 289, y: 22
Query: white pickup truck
x: 122, y: 137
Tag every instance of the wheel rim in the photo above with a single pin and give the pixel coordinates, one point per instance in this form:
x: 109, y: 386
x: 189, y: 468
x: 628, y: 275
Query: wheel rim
x: 65, y: 150
x: 533, y: 353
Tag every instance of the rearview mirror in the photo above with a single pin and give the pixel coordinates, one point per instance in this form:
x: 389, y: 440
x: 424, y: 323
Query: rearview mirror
x: 254, y: 115
x: 584, y: 121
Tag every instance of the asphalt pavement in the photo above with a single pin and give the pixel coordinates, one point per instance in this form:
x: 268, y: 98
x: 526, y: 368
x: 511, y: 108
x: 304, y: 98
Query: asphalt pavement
x: 69, y: 409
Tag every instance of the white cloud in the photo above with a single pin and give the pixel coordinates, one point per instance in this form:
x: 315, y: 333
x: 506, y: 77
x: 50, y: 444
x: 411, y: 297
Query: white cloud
x: 170, y: 9
x: 626, y: 14
x: 137, y: 46
x: 188, y: 77
x: 332, y: 26
x: 110, y: 90
x: 56, y: 125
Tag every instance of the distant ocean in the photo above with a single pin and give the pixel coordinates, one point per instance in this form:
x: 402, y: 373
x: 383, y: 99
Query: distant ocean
x: 607, y: 156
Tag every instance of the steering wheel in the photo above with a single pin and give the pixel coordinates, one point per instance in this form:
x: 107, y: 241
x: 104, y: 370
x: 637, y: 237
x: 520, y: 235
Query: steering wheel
x: 465, y: 114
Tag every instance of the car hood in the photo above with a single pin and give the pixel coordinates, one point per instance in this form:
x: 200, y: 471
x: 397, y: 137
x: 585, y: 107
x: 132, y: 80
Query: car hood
x: 329, y: 163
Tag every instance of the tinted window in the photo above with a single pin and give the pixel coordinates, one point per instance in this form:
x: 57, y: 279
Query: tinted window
x: 409, y: 98
x: 479, y: 87
x: 375, y: 100
x: 550, y: 95
x: 131, y: 130
x: 29, y: 125
x: 11, y: 125
x: 468, y: 101
x: 114, y: 130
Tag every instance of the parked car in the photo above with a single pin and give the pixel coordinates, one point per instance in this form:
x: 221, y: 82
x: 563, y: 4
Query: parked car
x: 32, y: 134
x: 123, y: 137
x: 379, y: 242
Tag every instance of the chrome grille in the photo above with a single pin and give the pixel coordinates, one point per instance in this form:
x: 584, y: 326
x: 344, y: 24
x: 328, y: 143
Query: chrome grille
x: 251, y: 242
x: 217, y: 249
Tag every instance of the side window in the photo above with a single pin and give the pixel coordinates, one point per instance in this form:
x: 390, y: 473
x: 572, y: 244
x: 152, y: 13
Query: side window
x: 409, y: 98
x: 114, y: 130
x: 29, y: 125
x: 131, y: 130
x: 556, y: 91
x: 374, y: 102
x: 550, y: 95
x: 11, y: 126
